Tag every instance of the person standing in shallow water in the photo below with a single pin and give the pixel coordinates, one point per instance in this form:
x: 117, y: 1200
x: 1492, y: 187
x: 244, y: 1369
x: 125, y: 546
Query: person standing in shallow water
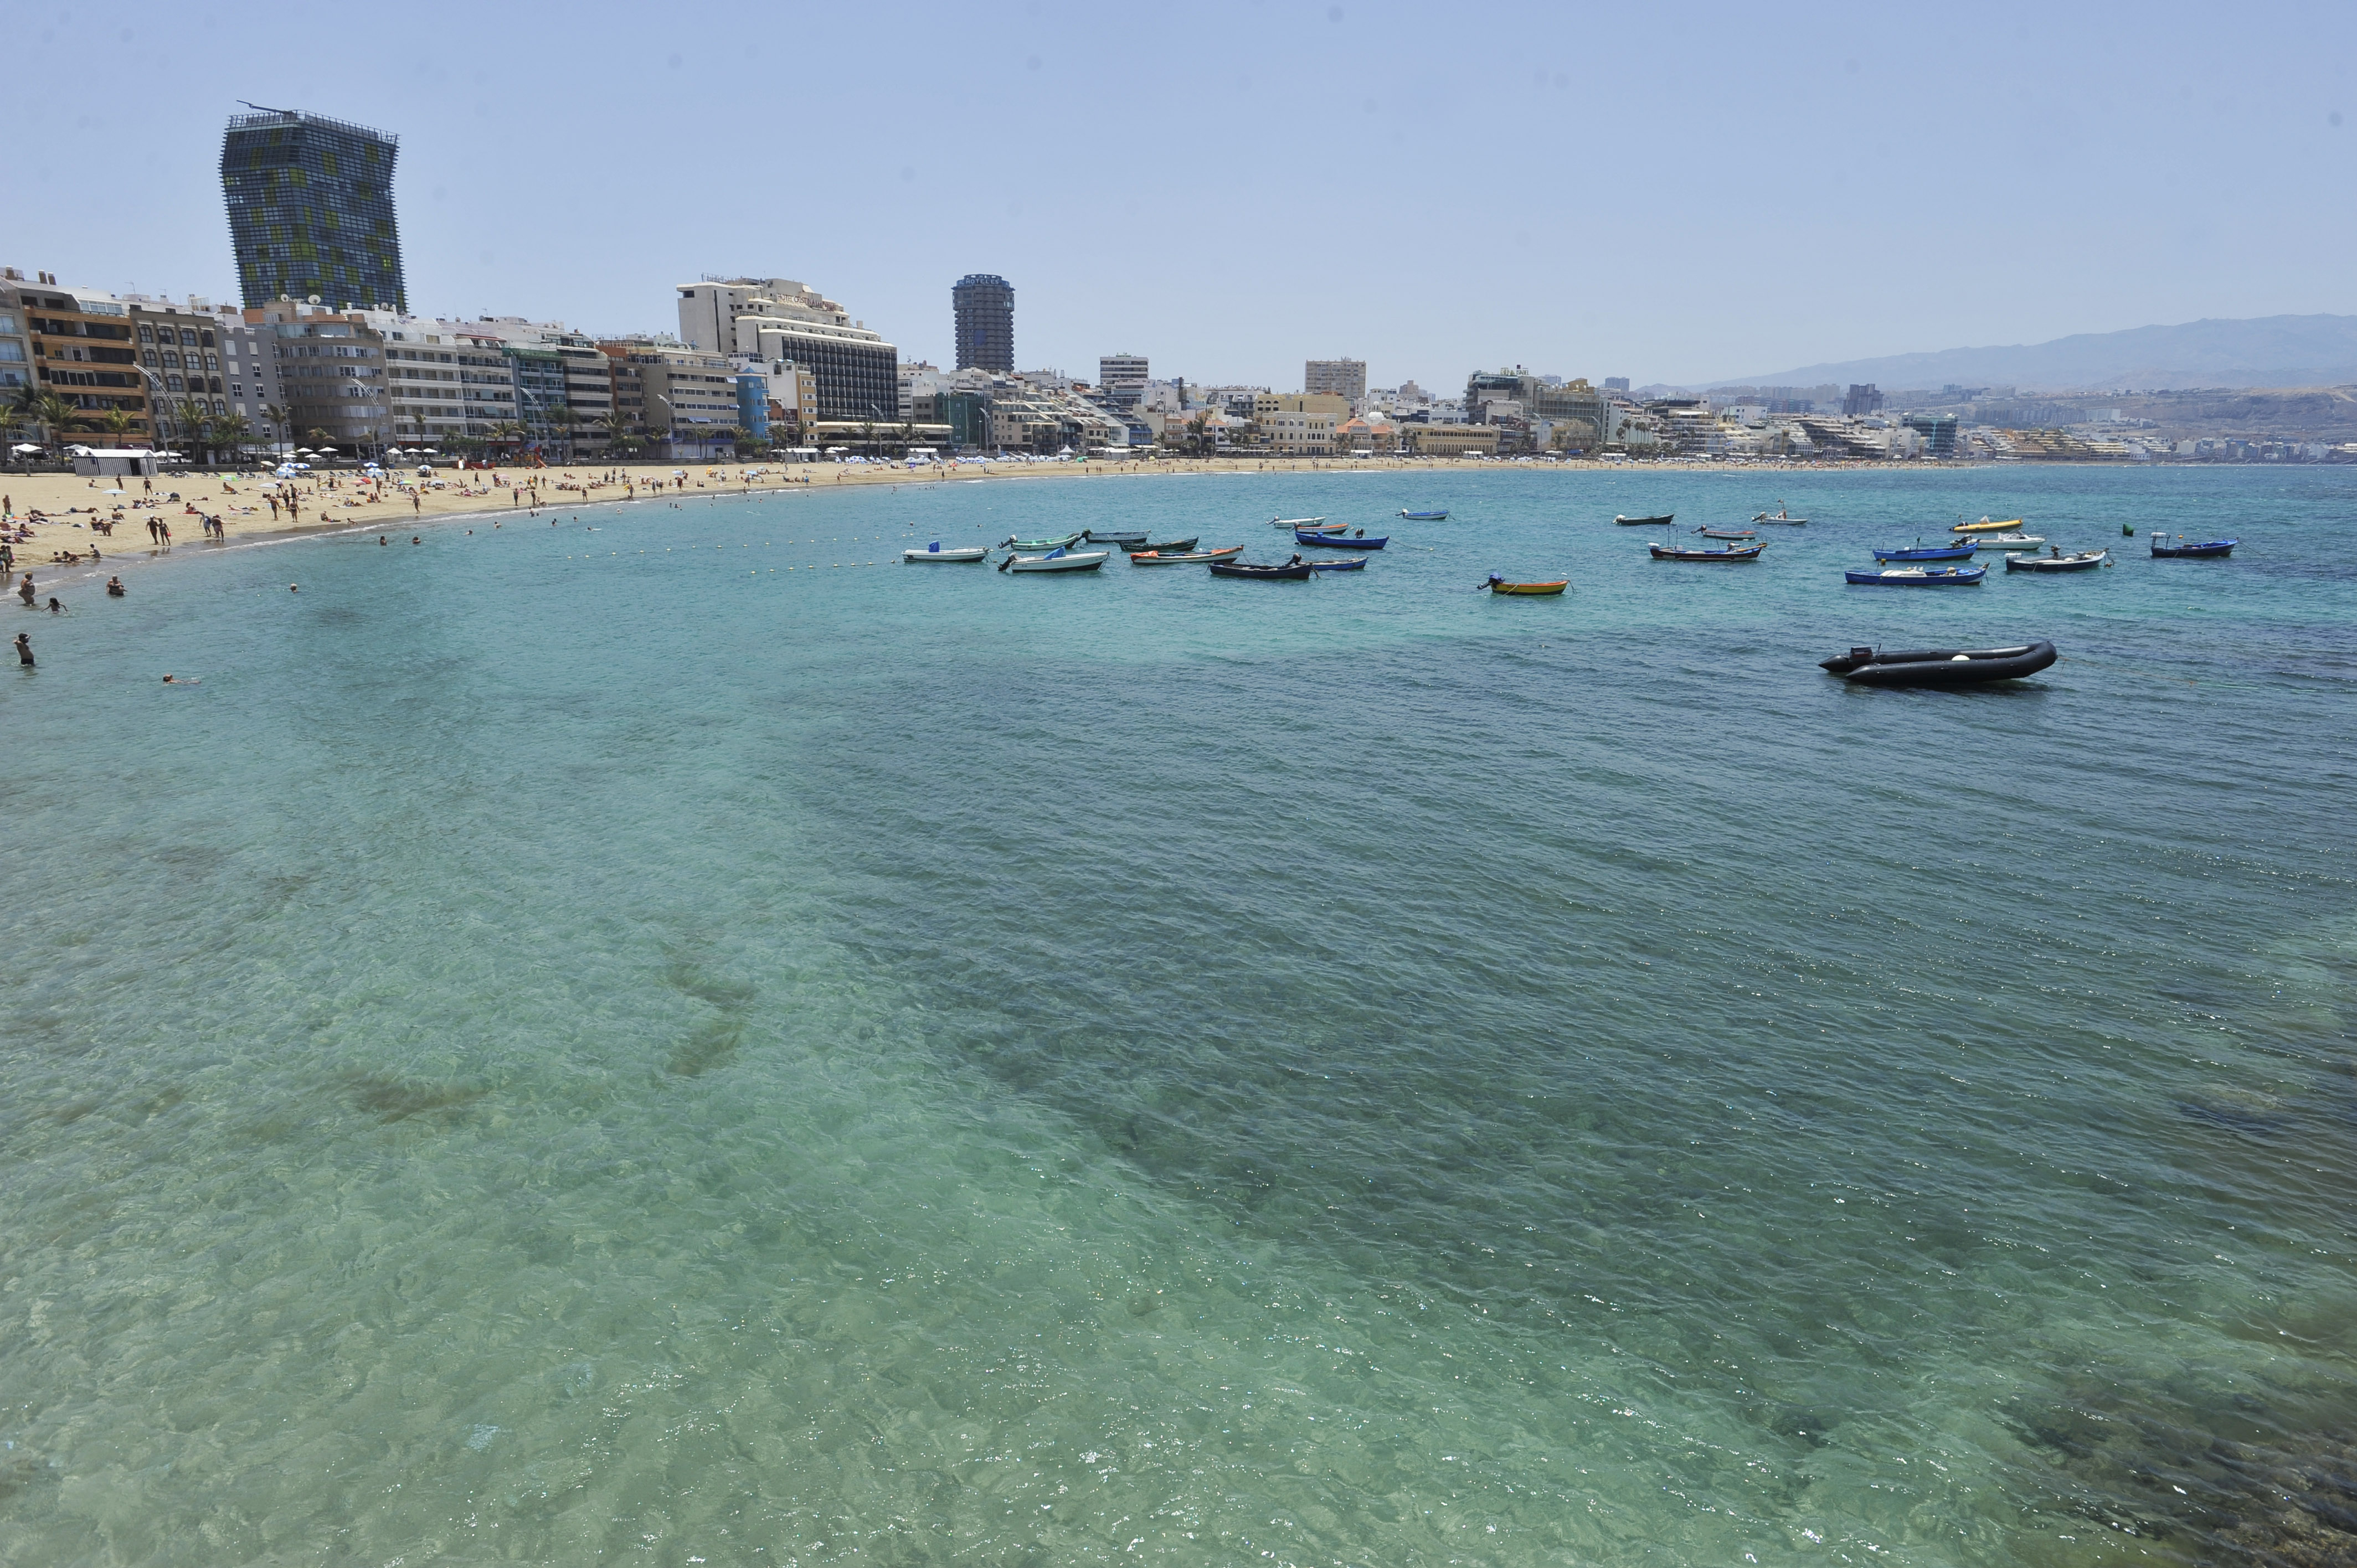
x: 25, y: 650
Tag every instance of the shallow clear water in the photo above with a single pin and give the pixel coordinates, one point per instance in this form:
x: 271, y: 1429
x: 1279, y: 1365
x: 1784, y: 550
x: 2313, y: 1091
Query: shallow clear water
x: 649, y: 1044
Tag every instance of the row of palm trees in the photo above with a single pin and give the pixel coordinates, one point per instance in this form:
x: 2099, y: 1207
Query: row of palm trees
x: 185, y: 421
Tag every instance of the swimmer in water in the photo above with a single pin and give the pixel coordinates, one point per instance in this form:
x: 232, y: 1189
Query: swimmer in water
x: 114, y: 587
x: 175, y: 680
x: 414, y: 540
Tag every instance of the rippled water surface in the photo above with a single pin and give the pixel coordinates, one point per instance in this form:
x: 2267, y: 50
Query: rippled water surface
x: 653, y: 1045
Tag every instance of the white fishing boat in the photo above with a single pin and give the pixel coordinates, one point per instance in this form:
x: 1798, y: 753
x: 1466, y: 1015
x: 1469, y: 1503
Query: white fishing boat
x: 2007, y: 541
x: 1056, y: 561
x: 935, y: 552
x: 1296, y: 521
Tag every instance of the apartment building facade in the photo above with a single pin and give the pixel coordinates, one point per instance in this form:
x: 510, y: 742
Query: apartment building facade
x: 15, y: 348
x: 83, y: 349
x: 1122, y: 378
x: 687, y: 395
x: 1346, y: 379
x: 776, y: 318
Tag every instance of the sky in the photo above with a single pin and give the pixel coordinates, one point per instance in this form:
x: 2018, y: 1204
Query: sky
x: 1675, y: 194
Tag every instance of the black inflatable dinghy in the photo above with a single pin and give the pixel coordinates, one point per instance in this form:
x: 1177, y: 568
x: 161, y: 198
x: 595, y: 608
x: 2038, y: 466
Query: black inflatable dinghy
x: 1939, y: 666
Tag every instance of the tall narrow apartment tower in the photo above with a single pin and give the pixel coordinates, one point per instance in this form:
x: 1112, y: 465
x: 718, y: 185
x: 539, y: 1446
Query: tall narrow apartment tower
x: 311, y: 209
x: 983, y: 303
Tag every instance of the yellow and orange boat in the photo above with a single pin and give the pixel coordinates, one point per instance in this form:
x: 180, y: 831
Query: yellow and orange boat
x: 1499, y: 586
x: 1985, y: 526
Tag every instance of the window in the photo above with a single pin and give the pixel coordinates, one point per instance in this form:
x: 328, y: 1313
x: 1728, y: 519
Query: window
x: 174, y: 383
x: 171, y: 360
x: 147, y: 334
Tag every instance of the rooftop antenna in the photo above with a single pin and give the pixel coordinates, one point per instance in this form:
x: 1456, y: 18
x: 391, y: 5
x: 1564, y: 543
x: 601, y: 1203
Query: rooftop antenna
x: 265, y: 109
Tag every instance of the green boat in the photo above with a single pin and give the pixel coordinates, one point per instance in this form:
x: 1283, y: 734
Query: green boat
x: 1063, y: 542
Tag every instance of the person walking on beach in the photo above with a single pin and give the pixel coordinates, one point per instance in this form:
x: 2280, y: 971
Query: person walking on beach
x: 25, y: 650
x: 274, y: 507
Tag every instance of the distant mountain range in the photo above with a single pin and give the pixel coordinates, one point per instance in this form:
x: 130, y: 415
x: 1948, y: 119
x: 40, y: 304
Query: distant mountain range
x: 2266, y: 351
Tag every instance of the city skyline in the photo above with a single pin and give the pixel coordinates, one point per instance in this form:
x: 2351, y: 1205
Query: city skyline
x: 1876, y: 190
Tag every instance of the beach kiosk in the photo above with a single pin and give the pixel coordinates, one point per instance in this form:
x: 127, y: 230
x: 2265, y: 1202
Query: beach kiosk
x: 113, y: 462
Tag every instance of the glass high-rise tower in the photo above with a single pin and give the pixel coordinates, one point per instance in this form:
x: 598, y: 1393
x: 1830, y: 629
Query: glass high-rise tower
x: 311, y: 209
x: 984, y: 307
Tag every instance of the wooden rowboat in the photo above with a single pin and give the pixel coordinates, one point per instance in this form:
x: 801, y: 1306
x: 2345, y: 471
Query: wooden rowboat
x: 2085, y: 561
x: 2209, y: 548
x: 1355, y: 563
x: 1184, y: 557
x: 1287, y: 574
x: 1733, y: 553
x: 1918, y: 577
x: 1538, y: 590
x: 1338, y: 541
x: 1170, y: 547
x: 1662, y: 521
x: 1423, y: 516
x: 1056, y: 561
x: 1065, y: 542
x: 1956, y: 552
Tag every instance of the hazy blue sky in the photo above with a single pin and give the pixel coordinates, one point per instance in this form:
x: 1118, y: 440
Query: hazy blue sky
x: 1662, y: 192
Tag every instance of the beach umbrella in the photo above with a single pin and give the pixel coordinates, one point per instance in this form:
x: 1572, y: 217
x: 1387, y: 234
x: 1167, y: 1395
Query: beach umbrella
x: 24, y: 446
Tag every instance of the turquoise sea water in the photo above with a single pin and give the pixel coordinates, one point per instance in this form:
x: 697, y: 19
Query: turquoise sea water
x: 651, y: 1046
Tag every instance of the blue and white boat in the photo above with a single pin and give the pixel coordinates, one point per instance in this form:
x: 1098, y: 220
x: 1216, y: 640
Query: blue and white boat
x: 1920, y: 577
x: 1355, y: 563
x: 1336, y: 541
x: 1423, y: 516
x: 2209, y: 548
x: 935, y: 553
x: 1927, y: 553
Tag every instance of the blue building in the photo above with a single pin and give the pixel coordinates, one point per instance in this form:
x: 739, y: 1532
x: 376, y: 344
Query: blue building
x: 753, y: 404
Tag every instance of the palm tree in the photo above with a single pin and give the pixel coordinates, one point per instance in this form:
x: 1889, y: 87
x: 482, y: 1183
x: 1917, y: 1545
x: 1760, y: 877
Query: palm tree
x: 227, y: 430
x: 278, y: 418
x: 116, y: 423
x: 49, y: 409
x: 562, y: 416
x: 188, y: 420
